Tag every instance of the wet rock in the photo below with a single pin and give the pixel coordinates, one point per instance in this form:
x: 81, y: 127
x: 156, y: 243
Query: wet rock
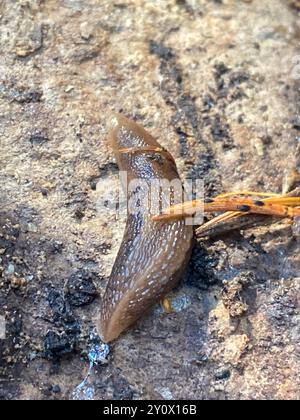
x: 57, y: 345
x: 81, y: 289
x: 208, y: 102
x: 219, y: 130
x: 201, y: 272
x: 237, y: 78
x: 159, y: 49
x: 26, y: 95
x: 222, y: 374
x: 15, y: 325
x: 38, y: 137
x: 63, y: 317
x: 220, y: 70
x: 122, y: 389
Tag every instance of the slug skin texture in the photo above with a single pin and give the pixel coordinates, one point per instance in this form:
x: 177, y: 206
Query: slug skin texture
x: 152, y: 255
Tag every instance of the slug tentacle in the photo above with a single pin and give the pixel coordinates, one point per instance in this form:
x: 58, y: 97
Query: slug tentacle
x: 153, y: 255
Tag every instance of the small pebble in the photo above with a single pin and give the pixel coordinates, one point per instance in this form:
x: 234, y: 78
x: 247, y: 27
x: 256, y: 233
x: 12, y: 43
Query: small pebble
x: 296, y: 227
x: 69, y: 89
x: 180, y: 302
x: 31, y: 227
x: 259, y: 146
x: 165, y: 393
x: 86, y: 30
x: 10, y: 269
x: 222, y: 374
x: 56, y: 389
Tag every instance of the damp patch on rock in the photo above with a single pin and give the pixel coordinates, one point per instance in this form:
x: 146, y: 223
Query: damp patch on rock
x: 81, y: 289
x: 57, y: 345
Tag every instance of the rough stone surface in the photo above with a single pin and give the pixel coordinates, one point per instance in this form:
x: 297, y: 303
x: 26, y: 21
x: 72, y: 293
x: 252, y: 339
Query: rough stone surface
x: 218, y: 83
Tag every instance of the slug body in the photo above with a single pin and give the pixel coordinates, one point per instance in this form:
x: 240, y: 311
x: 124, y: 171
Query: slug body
x: 153, y: 255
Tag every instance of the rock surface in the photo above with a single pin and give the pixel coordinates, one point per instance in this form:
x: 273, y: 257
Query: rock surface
x: 218, y: 83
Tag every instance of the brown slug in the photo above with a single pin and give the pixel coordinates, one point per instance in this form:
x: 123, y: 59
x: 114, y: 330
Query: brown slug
x: 152, y: 255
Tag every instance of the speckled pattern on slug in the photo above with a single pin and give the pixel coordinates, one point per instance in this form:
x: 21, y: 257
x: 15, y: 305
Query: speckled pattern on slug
x: 152, y: 255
